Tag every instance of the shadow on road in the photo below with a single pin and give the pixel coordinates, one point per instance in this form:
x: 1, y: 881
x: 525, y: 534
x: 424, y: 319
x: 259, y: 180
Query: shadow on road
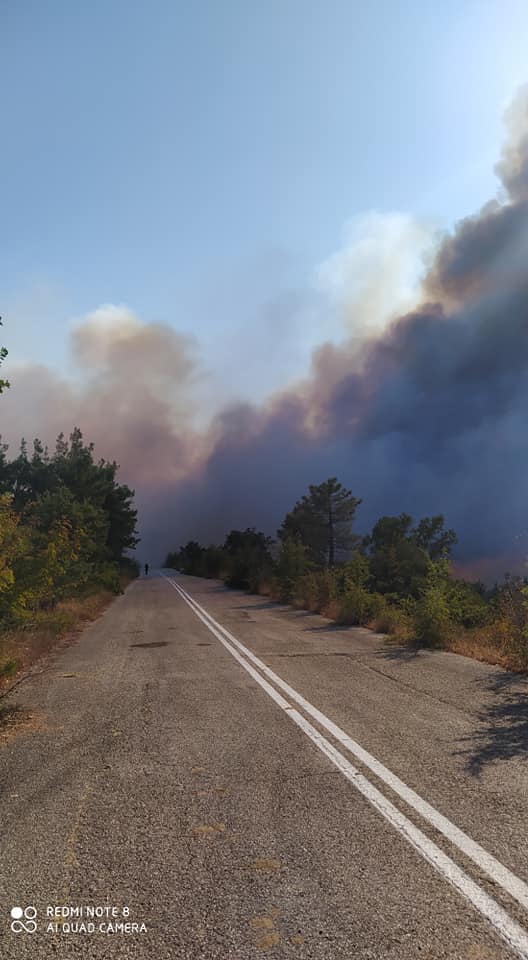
x: 503, y: 731
x: 263, y: 605
x: 329, y: 627
x: 403, y: 653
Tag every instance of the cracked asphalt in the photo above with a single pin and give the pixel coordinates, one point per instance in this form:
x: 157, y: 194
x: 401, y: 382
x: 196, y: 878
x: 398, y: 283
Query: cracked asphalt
x: 145, y: 770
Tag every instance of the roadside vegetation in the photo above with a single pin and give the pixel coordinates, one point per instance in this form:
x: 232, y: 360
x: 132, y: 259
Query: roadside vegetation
x: 397, y: 580
x: 65, y: 526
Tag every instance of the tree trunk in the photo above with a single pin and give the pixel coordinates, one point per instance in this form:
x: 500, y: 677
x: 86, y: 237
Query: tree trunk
x: 331, y: 536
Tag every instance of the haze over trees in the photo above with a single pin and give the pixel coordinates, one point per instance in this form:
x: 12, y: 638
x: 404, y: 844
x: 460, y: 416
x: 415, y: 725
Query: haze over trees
x: 397, y: 579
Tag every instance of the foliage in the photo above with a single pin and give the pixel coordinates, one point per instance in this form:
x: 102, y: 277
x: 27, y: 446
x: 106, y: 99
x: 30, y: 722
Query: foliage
x: 197, y: 561
x: 65, y: 524
x: 397, y: 580
x: 400, y: 553
x: 357, y: 604
x: 322, y: 521
x: 243, y: 561
x: 430, y: 535
x: 11, y: 543
x: 248, y: 558
x: 187, y: 559
x: 432, y: 615
x: 293, y: 562
x: 360, y: 606
x: 511, y: 602
x: 3, y: 355
x: 467, y: 603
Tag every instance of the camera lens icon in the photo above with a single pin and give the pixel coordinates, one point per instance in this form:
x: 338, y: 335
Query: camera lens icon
x: 26, y: 925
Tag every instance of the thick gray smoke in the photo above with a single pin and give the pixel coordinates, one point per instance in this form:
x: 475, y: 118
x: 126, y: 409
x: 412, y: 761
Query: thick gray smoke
x: 426, y: 416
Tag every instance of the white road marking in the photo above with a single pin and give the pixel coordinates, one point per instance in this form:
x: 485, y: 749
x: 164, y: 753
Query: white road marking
x: 514, y: 935
x: 500, y: 874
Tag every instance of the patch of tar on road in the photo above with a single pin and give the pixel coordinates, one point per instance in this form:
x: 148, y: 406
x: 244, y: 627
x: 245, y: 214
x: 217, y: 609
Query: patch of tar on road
x: 71, y: 859
x: 477, y: 952
x: 89, y: 676
x: 269, y: 940
x: 14, y: 721
x: 155, y: 643
x: 208, y: 792
x: 209, y: 829
x: 264, y: 926
x: 266, y: 865
x: 262, y: 923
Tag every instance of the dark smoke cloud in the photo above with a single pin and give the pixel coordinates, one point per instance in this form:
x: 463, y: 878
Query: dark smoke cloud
x: 426, y: 416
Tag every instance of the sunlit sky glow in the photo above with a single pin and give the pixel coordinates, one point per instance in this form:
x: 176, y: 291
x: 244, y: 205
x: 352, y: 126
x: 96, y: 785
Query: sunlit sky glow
x: 218, y: 166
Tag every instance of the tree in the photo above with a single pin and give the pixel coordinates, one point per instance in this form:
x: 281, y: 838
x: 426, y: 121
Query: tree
x: 11, y: 542
x: 248, y: 556
x: 65, y: 524
x: 400, y: 553
x: 213, y: 562
x: 322, y: 521
x: 188, y: 559
x: 5, y: 481
x: 432, y: 615
x: 431, y: 537
x: 293, y: 563
x: 3, y: 355
x: 122, y: 517
x: 73, y: 466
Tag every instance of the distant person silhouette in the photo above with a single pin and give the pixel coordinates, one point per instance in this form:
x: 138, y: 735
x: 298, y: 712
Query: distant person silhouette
x: 146, y: 569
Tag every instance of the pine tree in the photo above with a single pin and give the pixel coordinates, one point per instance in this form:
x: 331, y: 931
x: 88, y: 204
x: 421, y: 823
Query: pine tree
x: 322, y: 521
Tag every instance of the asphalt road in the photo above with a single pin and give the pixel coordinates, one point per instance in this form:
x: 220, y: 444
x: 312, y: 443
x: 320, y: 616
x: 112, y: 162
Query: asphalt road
x: 280, y: 787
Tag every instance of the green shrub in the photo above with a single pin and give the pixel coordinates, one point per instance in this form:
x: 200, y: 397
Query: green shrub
x: 467, y: 606
x: 355, y: 571
x: 9, y: 668
x: 327, y: 588
x: 129, y: 568
x: 394, y: 622
x: 358, y: 606
x: 109, y: 579
x: 306, y: 591
x: 292, y: 564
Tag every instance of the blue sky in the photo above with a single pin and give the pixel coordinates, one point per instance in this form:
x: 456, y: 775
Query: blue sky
x: 199, y: 161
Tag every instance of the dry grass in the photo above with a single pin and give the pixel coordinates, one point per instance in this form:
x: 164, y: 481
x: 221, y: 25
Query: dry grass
x: 265, y: 589
x: 20, y: 648
x: 468, y: 645
x: 494, y: 643
x: 332, y: 610
x: 394, y: 624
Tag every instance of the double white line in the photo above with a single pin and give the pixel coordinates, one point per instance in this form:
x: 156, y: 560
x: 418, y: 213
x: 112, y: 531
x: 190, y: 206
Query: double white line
x: 514, y: 935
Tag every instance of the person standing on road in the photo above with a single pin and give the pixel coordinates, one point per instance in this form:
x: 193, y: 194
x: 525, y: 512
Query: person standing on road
x: 146, y: 569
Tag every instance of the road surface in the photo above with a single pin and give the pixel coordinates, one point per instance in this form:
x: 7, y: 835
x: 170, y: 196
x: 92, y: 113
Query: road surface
x: 204, y: 774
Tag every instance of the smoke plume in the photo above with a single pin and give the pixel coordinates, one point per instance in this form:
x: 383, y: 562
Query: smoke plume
x: 424, y: 413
